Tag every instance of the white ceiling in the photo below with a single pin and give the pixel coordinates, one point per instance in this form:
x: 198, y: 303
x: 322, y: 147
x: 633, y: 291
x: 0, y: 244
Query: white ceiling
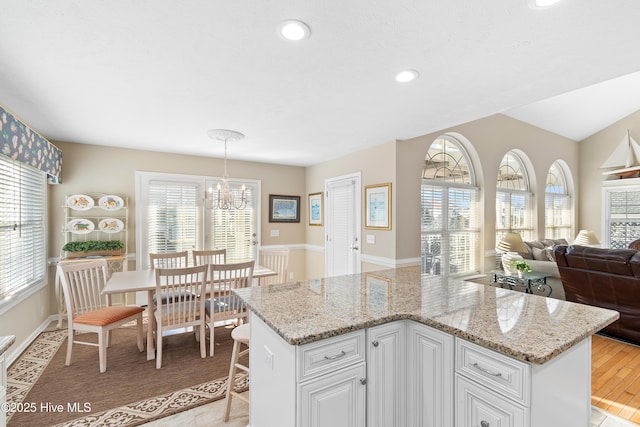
x: 157, y: 74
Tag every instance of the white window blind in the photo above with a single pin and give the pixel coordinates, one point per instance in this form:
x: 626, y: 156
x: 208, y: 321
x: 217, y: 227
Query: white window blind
x: 22, y: 228
x: 234, y: 229
x: 557, y: 205
x: 449, y: 229
x: 623, y: 217
x: 513, y: 199
x: 173, y: 217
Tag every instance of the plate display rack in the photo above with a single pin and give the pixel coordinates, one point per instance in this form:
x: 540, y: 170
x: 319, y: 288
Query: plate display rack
x: 94, y: 216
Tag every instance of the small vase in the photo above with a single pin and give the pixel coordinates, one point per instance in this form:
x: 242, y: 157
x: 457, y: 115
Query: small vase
x: 520, y: 274
x: 507, y: 259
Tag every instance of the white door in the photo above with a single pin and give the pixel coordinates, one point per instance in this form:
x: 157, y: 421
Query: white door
x: 343, y: 219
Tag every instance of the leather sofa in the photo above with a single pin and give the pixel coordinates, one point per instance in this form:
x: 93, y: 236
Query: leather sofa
x: 607, y: 278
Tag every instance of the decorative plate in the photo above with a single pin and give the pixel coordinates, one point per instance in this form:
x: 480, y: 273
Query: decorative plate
x: 111, y: 203
x: 80, y: 226
x: 80, y: 202
x: 110, y: 225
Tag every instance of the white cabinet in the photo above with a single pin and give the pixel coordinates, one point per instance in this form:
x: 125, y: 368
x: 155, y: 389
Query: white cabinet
x: 386, y: 374
x: 334, y: 400
x: 430, y: 377
x: 493, y: 389
x: 405, y: 373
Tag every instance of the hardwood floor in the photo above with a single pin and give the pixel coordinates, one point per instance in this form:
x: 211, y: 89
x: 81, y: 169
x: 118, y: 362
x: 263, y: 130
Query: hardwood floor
x: 615, y: 377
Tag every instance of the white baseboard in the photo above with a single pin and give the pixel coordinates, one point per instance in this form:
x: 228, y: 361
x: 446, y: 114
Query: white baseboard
x: 17, y: 351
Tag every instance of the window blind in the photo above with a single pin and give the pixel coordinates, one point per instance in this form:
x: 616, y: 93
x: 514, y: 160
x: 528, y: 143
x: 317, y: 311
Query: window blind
x: 22, y: 228
x: 449, y: 229
x: 173, y: 217
x: 233, y: 229
x: 623, y: 222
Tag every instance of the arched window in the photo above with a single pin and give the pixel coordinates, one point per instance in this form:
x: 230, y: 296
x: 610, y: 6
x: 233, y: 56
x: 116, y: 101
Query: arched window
x: 449, y: 199
x: 513, y: 198
x: 557, y: 205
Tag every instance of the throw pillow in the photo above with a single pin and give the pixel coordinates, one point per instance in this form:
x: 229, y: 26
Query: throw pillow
x: 550, y: 252
x: 539, y: 254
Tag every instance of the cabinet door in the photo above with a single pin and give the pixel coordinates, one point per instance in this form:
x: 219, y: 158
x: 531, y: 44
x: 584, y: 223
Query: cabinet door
x: 334, y: 400
x: 386, y: 367
x: 477, y: 406
x: 430, y: 378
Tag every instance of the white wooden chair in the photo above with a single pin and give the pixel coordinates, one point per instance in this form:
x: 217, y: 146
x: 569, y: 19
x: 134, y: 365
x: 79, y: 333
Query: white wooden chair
x: 90, y: 311
x: 214, y: 256
x: 182, y: 307
x: 222, y: 303
x: 276, y: 260
x: 169, y: 260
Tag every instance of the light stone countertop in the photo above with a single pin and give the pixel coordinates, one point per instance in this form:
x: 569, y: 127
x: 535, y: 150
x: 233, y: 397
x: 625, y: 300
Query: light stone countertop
x: 6, y: 341
x: 528, y: 327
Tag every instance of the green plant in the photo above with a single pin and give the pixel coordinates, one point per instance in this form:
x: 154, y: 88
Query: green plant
x: 521, y: 266
x: 93, y: 245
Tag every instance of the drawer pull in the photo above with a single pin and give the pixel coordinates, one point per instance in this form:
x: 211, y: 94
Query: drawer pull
x: 484, y: 423
x: 486, y: 371
x: 337, y: 356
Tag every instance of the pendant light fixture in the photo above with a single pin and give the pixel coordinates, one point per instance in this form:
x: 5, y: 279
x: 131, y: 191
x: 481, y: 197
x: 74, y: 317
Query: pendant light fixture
x: 223, y: 198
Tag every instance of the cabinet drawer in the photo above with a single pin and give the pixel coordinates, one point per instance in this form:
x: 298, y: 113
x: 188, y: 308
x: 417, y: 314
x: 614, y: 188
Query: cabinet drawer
x: 498, y: 372
x: 478, y: 406
x: 330, y: 354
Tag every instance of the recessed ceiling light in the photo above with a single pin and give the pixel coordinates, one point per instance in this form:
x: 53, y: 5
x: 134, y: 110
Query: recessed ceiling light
x: 542, y: 4
x: 407, y: 76
x: 294, y: 30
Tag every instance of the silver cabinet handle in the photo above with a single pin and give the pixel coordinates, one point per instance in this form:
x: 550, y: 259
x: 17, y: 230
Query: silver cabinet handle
x: 486, y: 371
x: 375, y: 343
x: 363, y: 381
x: 337, y: 356
x: 484, y: 423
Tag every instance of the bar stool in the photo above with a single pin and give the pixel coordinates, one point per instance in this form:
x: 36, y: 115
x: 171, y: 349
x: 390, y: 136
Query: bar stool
x: 240, y: 336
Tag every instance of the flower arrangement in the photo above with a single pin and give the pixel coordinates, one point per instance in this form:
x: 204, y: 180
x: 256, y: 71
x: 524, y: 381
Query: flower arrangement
x: 521, y: 266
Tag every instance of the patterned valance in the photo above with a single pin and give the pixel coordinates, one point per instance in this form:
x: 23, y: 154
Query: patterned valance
x: 21, y: 143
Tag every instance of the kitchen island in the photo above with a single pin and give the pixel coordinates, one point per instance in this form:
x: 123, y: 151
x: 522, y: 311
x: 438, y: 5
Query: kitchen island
x: 396, y: 347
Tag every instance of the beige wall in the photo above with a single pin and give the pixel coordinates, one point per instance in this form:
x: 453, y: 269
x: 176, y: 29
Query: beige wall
x: 593, y: 152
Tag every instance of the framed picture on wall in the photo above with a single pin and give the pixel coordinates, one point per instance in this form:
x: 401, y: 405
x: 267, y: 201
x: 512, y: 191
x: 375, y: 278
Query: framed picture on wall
x: 284, y: 208
x: 377, y: 206
x: 315, y: 209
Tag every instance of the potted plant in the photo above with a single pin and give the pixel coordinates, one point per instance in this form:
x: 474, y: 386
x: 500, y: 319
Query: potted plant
x: 87, y: 248
x: 522, y: 267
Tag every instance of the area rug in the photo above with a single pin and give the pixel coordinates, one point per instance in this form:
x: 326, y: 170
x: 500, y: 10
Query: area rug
x: 130, y: 393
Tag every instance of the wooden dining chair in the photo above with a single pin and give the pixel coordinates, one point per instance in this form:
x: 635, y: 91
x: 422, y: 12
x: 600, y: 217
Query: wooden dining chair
x: 222, y: 303
x: 214, y: 256
x: 182, y: 307
x: 169, y: 260
x: 276, y: 260
x: 90, y: 311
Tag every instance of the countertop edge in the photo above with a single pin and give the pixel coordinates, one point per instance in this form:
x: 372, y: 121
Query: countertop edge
x: 537, y: 359
x: 6, y: 341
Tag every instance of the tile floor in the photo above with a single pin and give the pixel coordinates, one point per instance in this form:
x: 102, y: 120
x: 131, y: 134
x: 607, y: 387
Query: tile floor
x: 211, y: 416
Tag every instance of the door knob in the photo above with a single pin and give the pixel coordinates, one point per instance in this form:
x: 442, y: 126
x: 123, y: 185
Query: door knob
x: 375, y: 343
x: 363, y: 381
x: 484, y: 423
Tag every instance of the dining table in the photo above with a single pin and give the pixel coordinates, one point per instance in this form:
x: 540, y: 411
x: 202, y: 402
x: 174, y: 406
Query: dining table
x: 145, y: 281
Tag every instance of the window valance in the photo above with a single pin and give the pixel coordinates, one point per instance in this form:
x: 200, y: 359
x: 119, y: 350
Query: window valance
x: 19, y: 142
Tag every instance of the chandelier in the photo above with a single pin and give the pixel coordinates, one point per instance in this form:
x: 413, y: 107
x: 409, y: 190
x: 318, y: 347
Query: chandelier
x: 223, y: 198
